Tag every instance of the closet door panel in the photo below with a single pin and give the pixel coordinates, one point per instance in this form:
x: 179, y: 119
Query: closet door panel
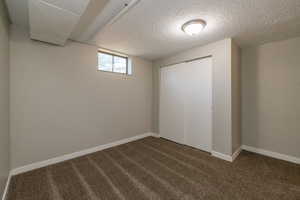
x: 172, y: 104
x: 198, y: 104
x: 186, y: 103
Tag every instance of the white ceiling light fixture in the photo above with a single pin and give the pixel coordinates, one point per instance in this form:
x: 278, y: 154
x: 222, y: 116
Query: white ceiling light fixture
x: 193, y: 27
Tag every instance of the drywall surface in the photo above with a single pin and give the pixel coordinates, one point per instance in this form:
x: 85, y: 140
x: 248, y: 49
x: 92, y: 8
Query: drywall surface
x: 4, y: 98
x: 60, y: 103
x: 236, y: 96
x: 221, y: 56
x: 271, y: 96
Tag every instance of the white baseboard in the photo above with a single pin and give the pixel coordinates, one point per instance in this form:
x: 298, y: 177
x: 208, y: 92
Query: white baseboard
x: 272, y: 154
x: 227, y: 157
x: 258, y: 151
x: 221, y: 156
x: 156, y: 135
x: 59, y: 159
x: 236, y: 153
x: 6, y: 187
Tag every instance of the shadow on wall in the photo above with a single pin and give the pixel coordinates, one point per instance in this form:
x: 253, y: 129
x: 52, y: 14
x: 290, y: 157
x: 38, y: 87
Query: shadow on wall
x: 270, y: 97
x: 250, y: 117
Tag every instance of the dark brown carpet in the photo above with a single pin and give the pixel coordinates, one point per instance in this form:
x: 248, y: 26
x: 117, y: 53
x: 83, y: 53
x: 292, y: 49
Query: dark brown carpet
x: 154, y: 168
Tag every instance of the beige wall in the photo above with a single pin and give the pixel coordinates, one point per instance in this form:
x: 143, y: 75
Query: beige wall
x: 4, y: 98
x: 60, y: 103
x: 236, y: 96
x: 222, y: 118
x: 271, y: 96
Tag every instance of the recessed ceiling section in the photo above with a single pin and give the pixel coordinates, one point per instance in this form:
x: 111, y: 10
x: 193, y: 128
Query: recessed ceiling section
x: 75, y: 6
x: 95, y: 8
x: 53, y: 21
x: 99, y: 17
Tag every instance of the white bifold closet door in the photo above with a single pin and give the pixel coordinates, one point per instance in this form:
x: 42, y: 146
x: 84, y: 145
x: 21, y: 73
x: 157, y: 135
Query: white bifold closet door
x: 186, y: 103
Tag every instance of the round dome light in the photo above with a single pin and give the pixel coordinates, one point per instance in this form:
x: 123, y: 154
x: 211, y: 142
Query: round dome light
x: 194, y: 27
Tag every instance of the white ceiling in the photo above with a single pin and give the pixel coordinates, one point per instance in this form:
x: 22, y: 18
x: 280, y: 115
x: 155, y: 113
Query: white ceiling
x: 152, y: 29
x: 95, y: 16
x: 53, y: 21
x: 100, y: 13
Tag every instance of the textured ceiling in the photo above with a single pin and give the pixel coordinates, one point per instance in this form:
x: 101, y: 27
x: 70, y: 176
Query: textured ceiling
x: 152, y: 29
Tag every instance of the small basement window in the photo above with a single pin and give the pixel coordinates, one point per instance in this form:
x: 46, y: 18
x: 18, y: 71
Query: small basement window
x: 110, y: 62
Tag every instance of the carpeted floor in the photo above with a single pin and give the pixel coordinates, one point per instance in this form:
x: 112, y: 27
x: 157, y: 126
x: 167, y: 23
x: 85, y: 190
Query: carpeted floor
x: 154, y: 168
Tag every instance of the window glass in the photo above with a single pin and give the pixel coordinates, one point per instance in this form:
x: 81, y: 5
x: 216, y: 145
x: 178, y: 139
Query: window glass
x: 105, y: 62
x: 113, y: 63
x: 120, y: 65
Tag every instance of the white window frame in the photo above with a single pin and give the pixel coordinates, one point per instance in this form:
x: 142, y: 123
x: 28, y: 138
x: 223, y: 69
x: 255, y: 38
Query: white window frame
x: 113, y: 55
